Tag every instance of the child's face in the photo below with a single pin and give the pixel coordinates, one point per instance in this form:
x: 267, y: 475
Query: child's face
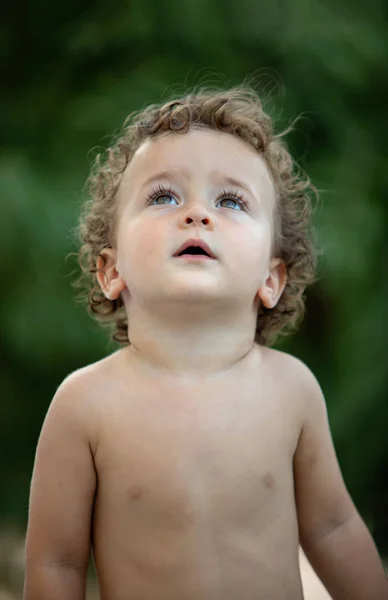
x: 189, y: 177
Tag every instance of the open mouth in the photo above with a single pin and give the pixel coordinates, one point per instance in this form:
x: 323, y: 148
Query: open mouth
x: 194, y: 251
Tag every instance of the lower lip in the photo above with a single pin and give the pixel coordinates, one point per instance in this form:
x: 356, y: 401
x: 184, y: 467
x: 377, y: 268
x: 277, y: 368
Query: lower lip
x: 194, y: 257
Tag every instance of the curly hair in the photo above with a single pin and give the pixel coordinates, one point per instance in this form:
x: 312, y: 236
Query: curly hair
x: 239, y: 112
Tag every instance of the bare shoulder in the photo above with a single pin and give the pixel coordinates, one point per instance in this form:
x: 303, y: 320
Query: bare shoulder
x: 297, y: 380
x: 289, y: 366
x: 79, y: 396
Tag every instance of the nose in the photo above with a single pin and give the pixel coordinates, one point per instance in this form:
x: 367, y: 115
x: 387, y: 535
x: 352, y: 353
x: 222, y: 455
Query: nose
x: 196, y: 214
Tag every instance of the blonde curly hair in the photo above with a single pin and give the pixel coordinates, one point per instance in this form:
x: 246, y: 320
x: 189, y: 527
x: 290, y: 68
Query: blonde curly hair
x: 237, y: 111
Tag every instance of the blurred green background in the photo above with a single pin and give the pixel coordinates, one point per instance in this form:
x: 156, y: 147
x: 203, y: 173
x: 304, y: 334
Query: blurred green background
x: 72, y: 72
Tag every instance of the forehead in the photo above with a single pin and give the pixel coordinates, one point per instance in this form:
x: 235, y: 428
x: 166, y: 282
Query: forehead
x: 201, y: 154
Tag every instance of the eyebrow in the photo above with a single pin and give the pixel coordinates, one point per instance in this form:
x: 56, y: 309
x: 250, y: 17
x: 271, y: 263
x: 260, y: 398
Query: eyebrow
x: 238, y: 183
x: 216, y: 175
x: 166, y: 175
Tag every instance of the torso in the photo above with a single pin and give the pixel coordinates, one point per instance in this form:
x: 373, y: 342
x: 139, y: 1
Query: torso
x: 195, y: 496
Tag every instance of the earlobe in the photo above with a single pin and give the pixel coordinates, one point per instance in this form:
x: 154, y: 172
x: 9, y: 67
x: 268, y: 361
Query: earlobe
x: 274, y: 285
x: 108, y: 278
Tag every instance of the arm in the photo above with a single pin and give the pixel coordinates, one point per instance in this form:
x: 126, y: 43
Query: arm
x: 61, y: 499
x: 332, y: 534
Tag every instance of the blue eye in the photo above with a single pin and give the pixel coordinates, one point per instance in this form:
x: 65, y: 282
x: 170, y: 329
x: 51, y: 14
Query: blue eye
x: 160, y: 197
x: 229, y: 199
x: 158, y: 193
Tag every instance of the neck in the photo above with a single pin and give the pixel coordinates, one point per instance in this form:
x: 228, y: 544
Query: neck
x: 194, y: 341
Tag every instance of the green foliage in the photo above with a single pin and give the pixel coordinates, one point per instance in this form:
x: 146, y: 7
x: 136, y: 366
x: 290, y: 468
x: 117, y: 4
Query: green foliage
x: 70, y: 79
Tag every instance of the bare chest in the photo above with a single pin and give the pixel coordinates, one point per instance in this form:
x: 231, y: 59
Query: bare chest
x: 182, y: 457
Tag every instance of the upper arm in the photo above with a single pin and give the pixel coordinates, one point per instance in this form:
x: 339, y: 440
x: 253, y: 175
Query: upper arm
x: 63, y: 484
x: 322, y: 499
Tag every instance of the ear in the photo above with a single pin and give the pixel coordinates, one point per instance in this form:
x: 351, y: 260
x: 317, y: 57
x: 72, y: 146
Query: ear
x: 273, y: 287
x: 109, y: 279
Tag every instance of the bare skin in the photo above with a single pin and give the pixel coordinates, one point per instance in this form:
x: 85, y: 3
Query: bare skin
x: 195, y: 488
x: 187, y: 490
x: 194, y: 495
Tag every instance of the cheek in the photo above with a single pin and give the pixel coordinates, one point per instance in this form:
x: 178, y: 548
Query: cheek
x: 146, y: 239
x: 251, y: 246
x: 140, y: 243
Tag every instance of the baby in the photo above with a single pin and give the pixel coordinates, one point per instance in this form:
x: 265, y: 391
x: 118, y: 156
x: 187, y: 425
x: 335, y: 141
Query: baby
x: 195, y: 459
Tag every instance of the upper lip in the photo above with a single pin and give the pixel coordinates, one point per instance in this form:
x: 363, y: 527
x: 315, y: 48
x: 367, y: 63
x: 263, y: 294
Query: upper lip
x: 198, y: 243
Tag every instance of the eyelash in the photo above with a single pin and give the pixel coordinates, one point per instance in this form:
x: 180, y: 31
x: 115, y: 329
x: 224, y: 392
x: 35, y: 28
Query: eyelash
x: 232, y: 194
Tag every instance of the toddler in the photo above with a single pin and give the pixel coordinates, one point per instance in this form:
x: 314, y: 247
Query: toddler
x: 195, y: 459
